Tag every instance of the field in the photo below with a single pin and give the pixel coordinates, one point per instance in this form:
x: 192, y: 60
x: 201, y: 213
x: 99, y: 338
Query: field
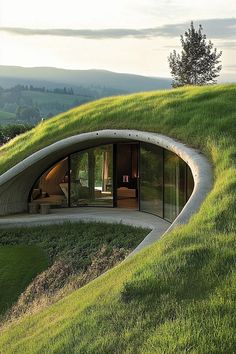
x: 176, y: 296
x: 40, y: 98
x: 7, y: 118
x: 54, y: 102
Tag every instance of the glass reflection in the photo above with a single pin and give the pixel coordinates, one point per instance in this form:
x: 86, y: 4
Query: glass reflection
x: 91, y: 177
x: 151, y: 179
x: 175, y: 185
x: 170, y: 193
x: 190, y: 183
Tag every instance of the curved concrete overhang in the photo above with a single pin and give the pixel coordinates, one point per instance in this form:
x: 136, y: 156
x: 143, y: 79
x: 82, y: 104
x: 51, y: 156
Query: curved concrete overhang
x: 16, y: 183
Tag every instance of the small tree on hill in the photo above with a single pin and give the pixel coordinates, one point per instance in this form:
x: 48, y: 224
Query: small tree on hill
x: 198, y: 63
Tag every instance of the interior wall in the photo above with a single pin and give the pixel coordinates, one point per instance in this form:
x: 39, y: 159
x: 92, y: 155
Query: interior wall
x: 50, y: 181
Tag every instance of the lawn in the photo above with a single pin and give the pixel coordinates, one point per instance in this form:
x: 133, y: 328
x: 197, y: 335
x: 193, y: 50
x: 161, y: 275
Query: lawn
x: 178, y: 295
x: 18, y: 266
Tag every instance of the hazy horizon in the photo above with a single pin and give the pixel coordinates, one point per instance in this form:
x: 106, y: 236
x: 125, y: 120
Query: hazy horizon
x: 223, y: 78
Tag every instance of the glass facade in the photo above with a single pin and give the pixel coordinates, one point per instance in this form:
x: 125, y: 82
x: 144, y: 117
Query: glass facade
x: 190, y: 183
x: 127, y: 175
x: 146, y: 177
x: 151, y: 179
x: 178, y: 185
x: 170, y: 182
x: 91, y: 175
x: 174, y: 185
x: 166, y: 182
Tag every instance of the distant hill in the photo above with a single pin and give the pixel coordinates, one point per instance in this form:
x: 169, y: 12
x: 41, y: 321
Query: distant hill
x: 28, y: 94
x: 48, y: 77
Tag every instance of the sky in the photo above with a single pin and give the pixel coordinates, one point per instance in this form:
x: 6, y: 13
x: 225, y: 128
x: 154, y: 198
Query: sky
x: 132, y: 36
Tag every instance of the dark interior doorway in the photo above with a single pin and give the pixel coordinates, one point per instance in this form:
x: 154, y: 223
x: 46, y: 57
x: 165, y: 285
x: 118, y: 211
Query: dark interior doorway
x: 127, y: 175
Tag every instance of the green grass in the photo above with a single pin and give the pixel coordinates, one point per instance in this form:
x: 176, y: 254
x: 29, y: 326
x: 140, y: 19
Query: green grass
x: 75, y: 242
x: 18, y: 266
x: 178, y: 295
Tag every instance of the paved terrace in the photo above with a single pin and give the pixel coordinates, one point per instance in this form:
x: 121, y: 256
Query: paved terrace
x: 156, y: 225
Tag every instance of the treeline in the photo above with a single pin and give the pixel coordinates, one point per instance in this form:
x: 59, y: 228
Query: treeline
x: 64, y: 90
x: 10, y: 131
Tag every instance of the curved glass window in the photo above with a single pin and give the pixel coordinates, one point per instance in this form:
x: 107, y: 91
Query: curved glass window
x: 128, y: 175
x: 178, y: 184
x: 151, y: 179
x: 91, y: 177
x: 166, y: 182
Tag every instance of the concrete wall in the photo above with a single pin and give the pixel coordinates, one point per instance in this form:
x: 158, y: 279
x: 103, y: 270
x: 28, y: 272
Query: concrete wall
x: 16, y: 183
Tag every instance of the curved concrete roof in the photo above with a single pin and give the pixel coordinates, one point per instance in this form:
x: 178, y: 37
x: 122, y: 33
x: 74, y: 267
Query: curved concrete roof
x: 16, y: 183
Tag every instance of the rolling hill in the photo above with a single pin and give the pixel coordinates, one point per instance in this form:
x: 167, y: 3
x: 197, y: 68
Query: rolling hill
x: 176, y: 296
x: 49, y: 77
x: 41, y: 84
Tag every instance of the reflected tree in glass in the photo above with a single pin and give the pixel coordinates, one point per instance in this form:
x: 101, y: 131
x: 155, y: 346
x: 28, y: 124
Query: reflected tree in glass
x: 151, y: 179
x: 91, y: 177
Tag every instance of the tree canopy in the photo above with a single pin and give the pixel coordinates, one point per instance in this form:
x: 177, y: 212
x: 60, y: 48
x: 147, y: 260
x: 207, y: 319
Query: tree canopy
x: 198, y: 63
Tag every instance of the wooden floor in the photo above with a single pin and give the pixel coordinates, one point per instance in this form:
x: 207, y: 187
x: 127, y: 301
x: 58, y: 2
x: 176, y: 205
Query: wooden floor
x: 128, y: 203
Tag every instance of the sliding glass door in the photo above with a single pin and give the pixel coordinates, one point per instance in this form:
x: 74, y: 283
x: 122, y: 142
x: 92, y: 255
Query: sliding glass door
x: 166, y: 182
x: 91, y: 177
x: 151, y: 179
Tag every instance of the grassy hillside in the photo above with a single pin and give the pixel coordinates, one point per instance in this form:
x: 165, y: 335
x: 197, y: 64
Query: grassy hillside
x: 18, y: 266
x: 178, y: 295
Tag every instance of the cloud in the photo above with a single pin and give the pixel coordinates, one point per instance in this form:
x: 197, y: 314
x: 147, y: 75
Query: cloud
x: 224, y: 28
x: 82, y: 33
x: 227, y: 44
x: 230, y: 67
